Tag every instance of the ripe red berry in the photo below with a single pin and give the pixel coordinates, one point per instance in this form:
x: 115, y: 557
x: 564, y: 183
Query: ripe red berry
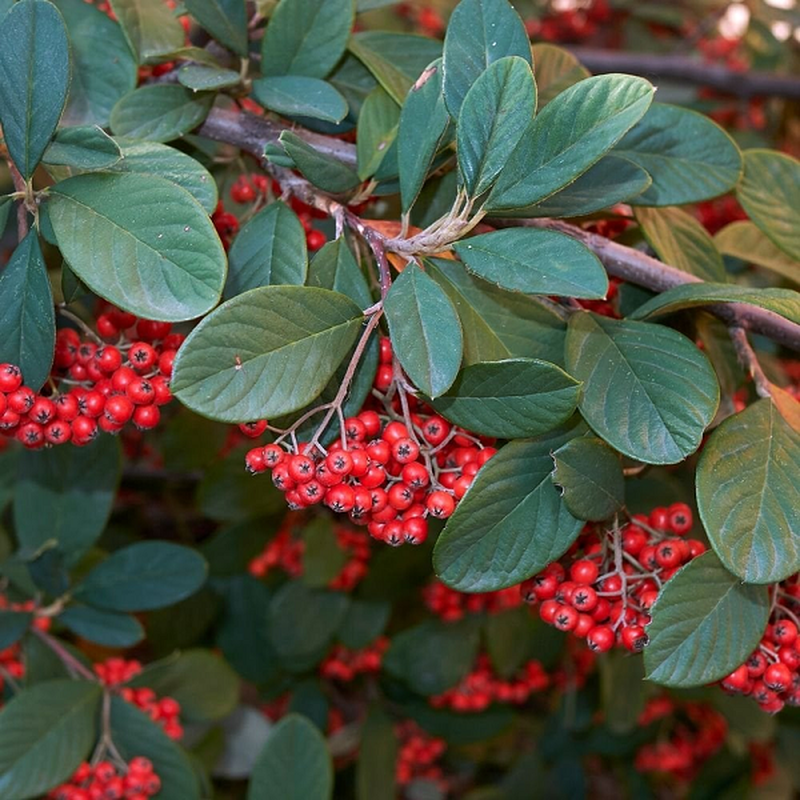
x: 584, y: 571
x: 21, y: 401
x: 253, y: 429
x: 301, y: 468
x: 634, y: 638
x: 315, y: 239
x: 600, y: 638
x: 778, y: 677
x: 146, y: 417
x: 118, y: 409
x: 10, y: 378
x: 142, y: 356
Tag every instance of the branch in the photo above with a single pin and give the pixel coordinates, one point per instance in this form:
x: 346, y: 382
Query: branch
x: 22, y: 211
x: 689, y: 70
x: 749, y: 360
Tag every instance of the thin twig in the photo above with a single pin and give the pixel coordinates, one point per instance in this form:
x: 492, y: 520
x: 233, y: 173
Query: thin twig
x: 749, y: 360
x: 67, y: 659
x: 22, y: 211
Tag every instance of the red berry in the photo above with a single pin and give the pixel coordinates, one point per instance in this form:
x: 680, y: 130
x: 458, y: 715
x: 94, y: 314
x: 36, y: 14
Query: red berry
x: 584, y: 571
x: 253, y: 429
x: 315, y: 239
x: 21, y: 401
x: 146, y: 418
x: 680, y: 518
x: 778, y: 677
x: 600, y: 638
x: 10, y: 378
x: 634, y: 638
x: 140, y: 391
x: 42, y: 411
x: 301, y: 468
x: 565, y: 618
x: 118, y: 409
x: 142, y: 356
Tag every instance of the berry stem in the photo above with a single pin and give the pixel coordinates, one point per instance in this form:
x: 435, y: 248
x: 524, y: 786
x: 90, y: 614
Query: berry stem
x: 749, y: 360
x: 67, y: 659
x: 87, y: 331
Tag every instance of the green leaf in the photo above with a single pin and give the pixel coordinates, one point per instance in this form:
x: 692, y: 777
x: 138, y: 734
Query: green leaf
x: 102, y: 627
x: 705, y: 624
x: 295, y: 95
x: 364, y: 622
x: 479, y: 33
x: 270, y: 249
x: 508, y: 639
x: 648, y: 391
x: 589, y: 474
x: 13, y: 626
x: 433, y: 656
x: 45, y: 732
x: 294, y: 764
x: 785, y: 302
x: 85, y: 148
x: 744, y: 240
x: 6, y: 204
x: 534, y: 261
x: 160, y: 112
x: 143, y: 576
x: 623, y: 691
x: 66, y: 494
x: 681, y: 241
x: 201, y: 78
x: 425, y: 331
x: 162, y: 161
x: 225, y: 20
x: 168, y: 260
x: 265, y: 353
x: 306, y: 37
x: 422, y: 131
x: 748, y: 494
x: 568, y: 136
x: 103, y: 66
x: 556, y: 70
x: 395, y: 59
x: 323, y: 559
x: 375, y: 770
x: 27, y: 325
x: 689, y: 157
x: 495, y: 113
x: 510, y: 399
x: 510, y: 524
x: 149, y: 26
x: 770, y: 194
x: 34, y: 77
x: 323, y: 171
x: 135, y: 734
x: 377, y: 129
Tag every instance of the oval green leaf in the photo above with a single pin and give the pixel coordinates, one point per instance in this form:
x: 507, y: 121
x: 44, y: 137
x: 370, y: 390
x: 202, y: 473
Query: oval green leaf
x: 556, y: 70
x: 377, y: 130
x: 107, y: 628
x: 150, y: 27
x: 744, y: 240
x: 225, y: 20
x: 82, y: 147
x: 294, y: 96
x: 13, y: 626
x: 202, y: 78
x: 323, y: 171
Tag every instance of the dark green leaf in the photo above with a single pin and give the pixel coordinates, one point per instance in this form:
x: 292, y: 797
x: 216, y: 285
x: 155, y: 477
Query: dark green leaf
x: 510, y: 399
x: 66, y: 494
x: 201, y: 78
x: 45, y: 732
x: 589, y: 474
x: 648, y: 391
x: 322, y: 557
x: 102, y: 627
x: 142, y: 576
x: 270, y: 249
x: 27, y: 324
x: 556, y: 70
x: 85, y: 148
x: 494, y: 114
x: 6, y: 204
x: 103, y: 67
x: 168, y: 260
x: 458, y: 728
x: 705, y: 624
x: 13, y: 626
x: 785, y: 302
x: 479, y: 33
x: 375, y: 770
x: 225, y: 20
x: 34, y: 77
x: 568, y: 136
x: 293, y: 765
x: 377, y: 129
x: 688, y: 156
x: 770, y: 193
x: 748, y: 494
x: 354, y: 81
x: 159, y: 113
x: 534, y: 261
x: 508, y: 639
x: 364, y: 622
x: 265, y: 353
x: 622, y: 690
x: 510, y: 524
x: 149, y: 26
x: 309, y: 700
x: 297, y: 95
x: 323, y: 171
x: 425, y: 331
x: 744, y: 240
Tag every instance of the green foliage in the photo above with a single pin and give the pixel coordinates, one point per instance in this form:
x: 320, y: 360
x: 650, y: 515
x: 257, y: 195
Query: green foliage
x: 84, y: 148
x: 296, y: 95
x: 102, y: 627
x: 375, y: 772
x: 225, y: 20
x: 149, y: 27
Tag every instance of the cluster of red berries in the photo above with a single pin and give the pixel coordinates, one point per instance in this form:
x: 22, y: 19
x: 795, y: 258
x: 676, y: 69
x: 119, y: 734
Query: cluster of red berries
x: 482, y: 687
x: 165, y: 710
x: 450, y: 605
x: 572, y: 24
x: 385, y: 474
x: 108, y: 781
x: 343, y: 664
x: 417, y: 755
x: 605, y: 595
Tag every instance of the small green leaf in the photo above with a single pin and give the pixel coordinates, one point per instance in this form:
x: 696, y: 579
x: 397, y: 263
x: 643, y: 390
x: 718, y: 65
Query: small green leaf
x: 27, y: 325
x: 770, y: 194
x: 294, y: 764
x: 270, y: 249
x: 689, y: 157
x: 168, y: 260
x: 556, y: 70
x: 201, y: 78
x: 375, y: 770
x: 425, y: 331
x: 295, y: 95
x: 510, y: 399
x: 34, y: 77
x: 6, y: 204
x: 511, y: 523
x: 744, y: 240
x: 705, y: 624
x: 508, y: 636
x: 589, y: 474
x: 85, y: 148
x: 143, y: 576
x: 479, y: 33
x: 45, y: 732
x: 323, y: 171
x: 364, y: 622
x: 681, y: 241
x: 534, y: 261
x: 13, y: 626
x: 495, y: 113
x: 323, y: 559
x: 377, y: 129
x: 159, y: 113
x: 150, y: 27
x: 748, y: 494
x: 107, y: 628
x: 225, y: 20
x: 648, y: 391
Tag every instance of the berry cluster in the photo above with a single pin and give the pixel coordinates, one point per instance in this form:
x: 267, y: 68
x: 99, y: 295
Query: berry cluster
x: 384, y: 473
x: 482, y: 687
x: 451, y: 605
x: 107, y: 781
x: 417, y: 755
x: 606, y: 593
x: 573, y: 25
x: 343, y: 664
x: 165, y: 710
